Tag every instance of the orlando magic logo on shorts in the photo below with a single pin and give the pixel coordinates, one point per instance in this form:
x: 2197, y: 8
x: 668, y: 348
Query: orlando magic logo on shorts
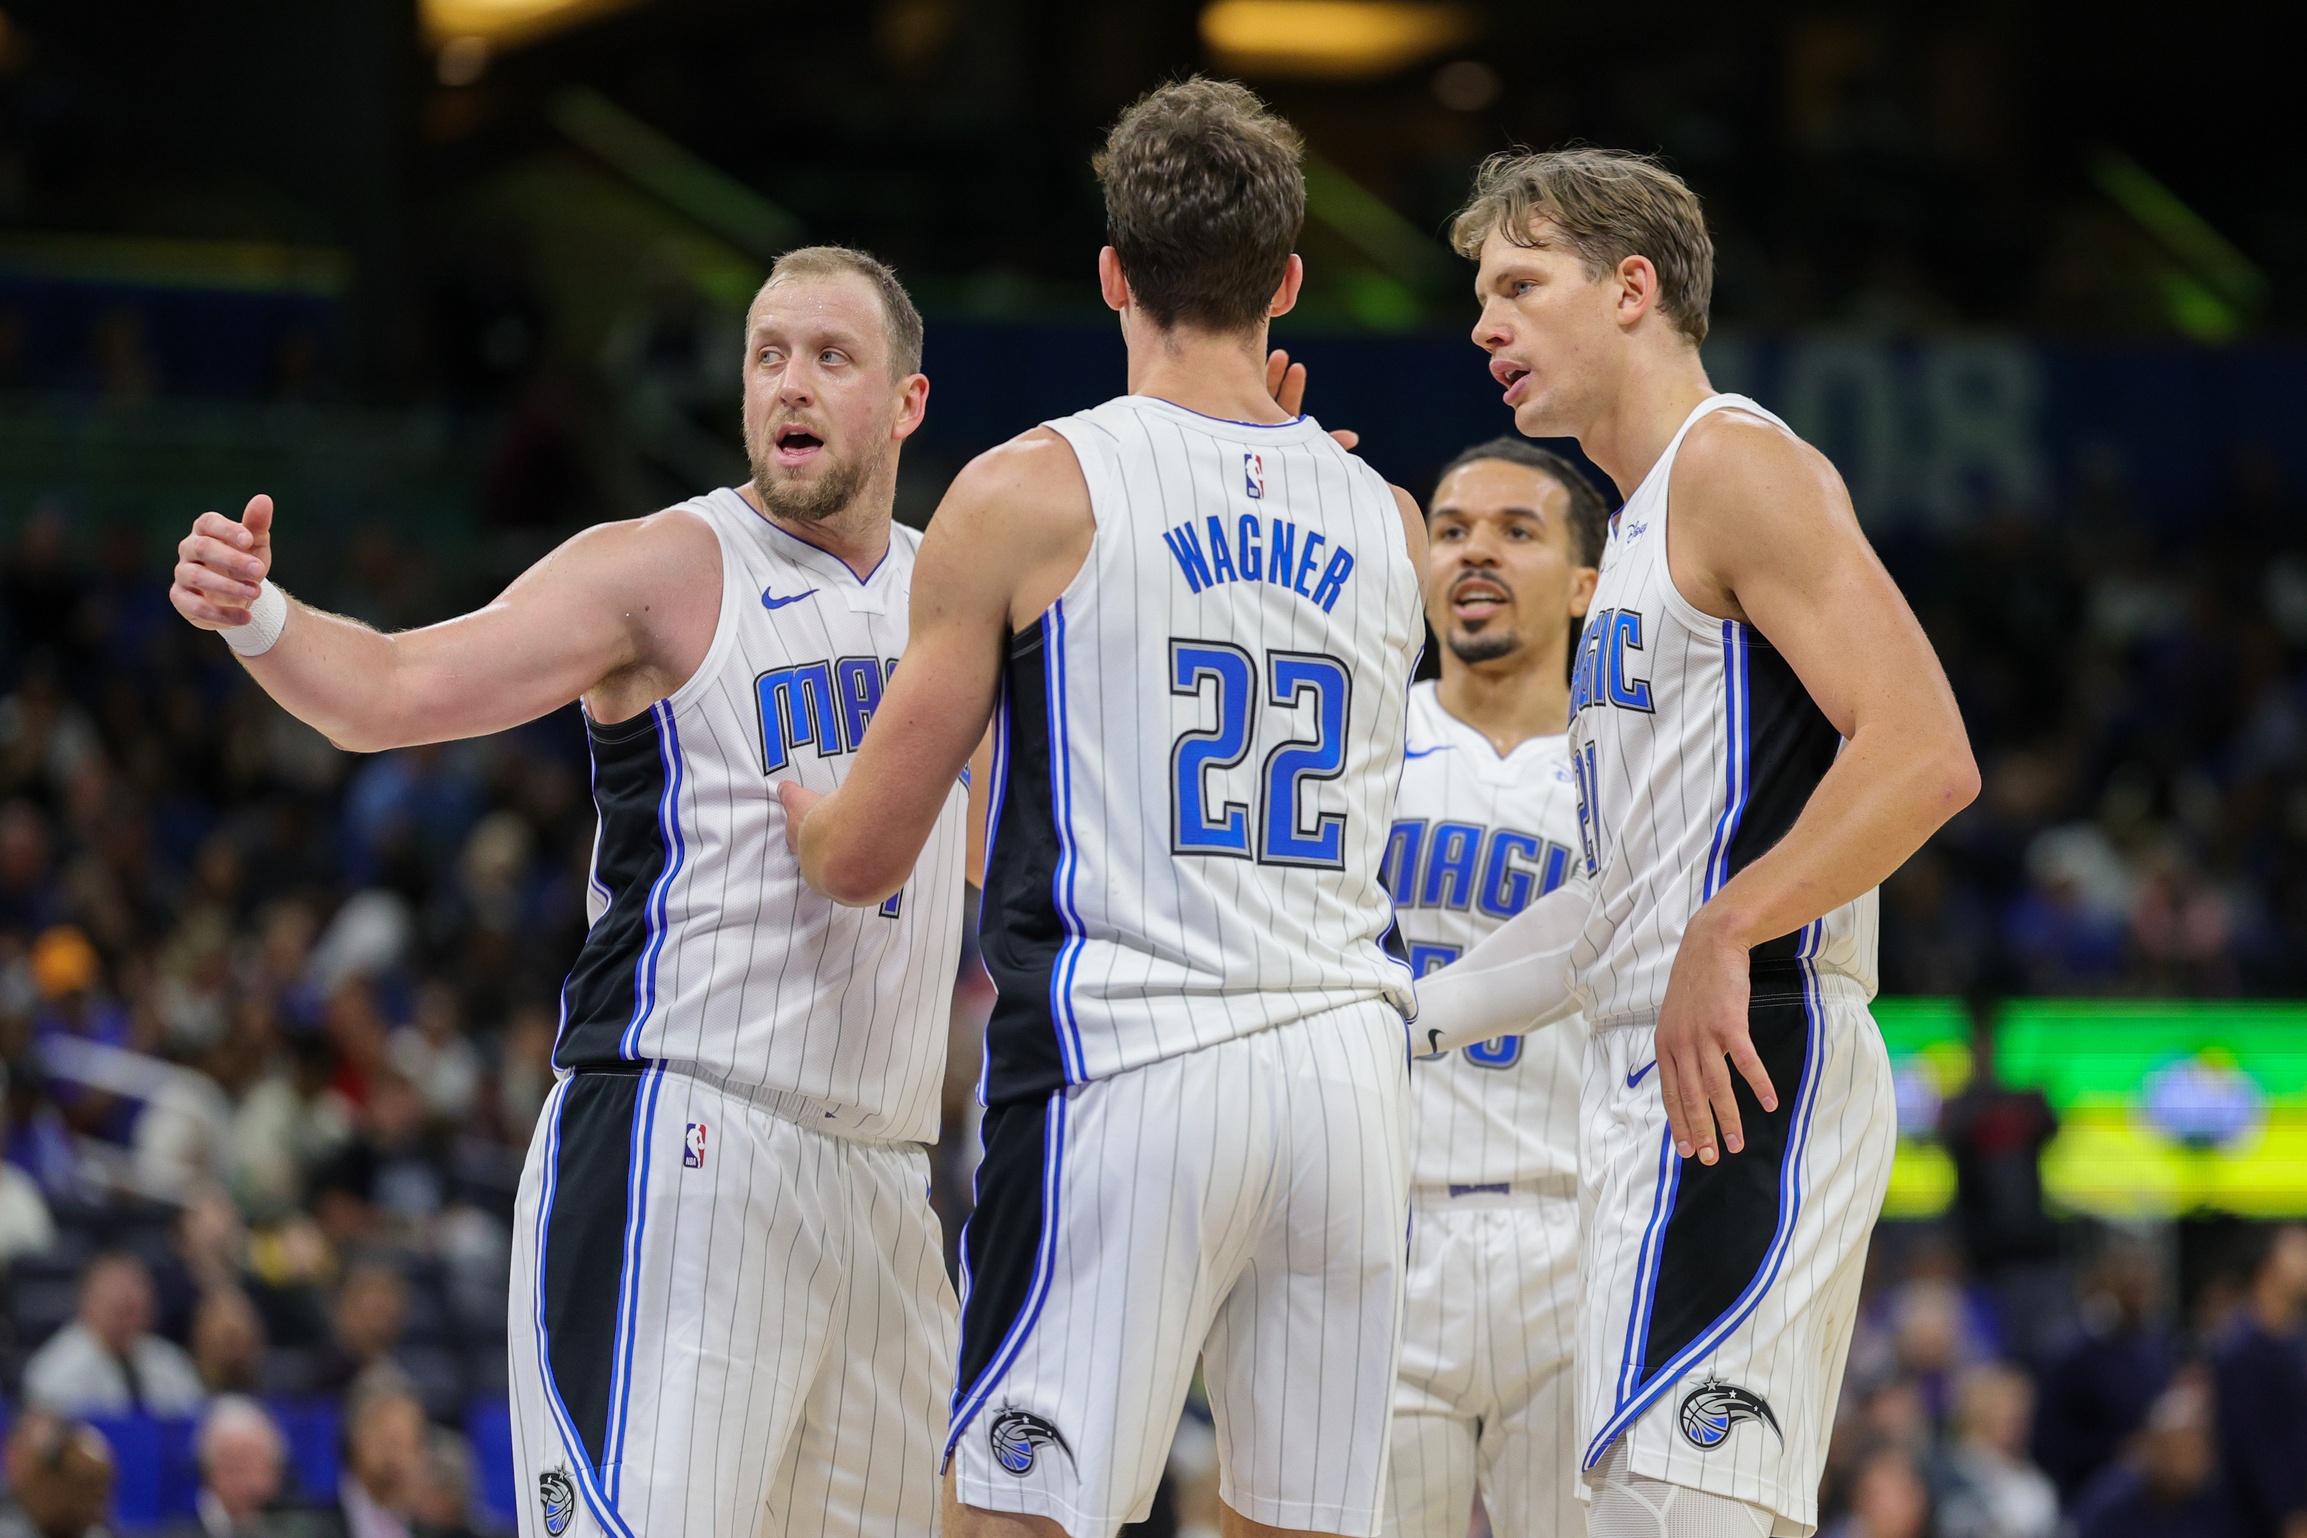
x: 1710, y: 1410
x: 1017, y: 1435
x: 559, y: 1498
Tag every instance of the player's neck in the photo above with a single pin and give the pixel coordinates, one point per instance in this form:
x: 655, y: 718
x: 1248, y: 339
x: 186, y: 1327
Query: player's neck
x: 1661, y: 386
x: 1217, y: 375
x: 1508, y: 705
x: 857, y: 536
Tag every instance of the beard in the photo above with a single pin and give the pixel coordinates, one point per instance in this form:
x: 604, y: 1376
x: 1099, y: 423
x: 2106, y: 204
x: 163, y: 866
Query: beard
x: 1474, y: 646
x: 833, y: 488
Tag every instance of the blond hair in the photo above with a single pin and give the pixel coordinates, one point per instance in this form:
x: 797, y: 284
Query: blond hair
x: 1606, y: 205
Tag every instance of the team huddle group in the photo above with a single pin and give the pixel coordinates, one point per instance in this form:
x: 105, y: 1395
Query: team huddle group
x: 1472, y: 1080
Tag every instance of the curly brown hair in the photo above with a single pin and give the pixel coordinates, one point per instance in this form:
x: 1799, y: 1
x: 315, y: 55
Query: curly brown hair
x: 1204, y: 199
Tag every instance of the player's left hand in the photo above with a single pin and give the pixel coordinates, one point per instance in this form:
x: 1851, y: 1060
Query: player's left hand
x: 1286, y: 383
x: 1702, y: 1024
x: 798, y: 800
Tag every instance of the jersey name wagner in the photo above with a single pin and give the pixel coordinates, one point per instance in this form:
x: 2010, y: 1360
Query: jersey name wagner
x: 1476, y: 838
x: 706, y: 949
x: 1693, y: 747
x: 1196, y: 752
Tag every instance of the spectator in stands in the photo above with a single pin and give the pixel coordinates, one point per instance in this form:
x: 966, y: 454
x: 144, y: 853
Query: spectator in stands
x: 108, y: 1361
x: 2261, y: 1378
x: 26, y: 1227
x: 242, y: 1461
x: 1887, y: 1499
x: 443, y: 1506
x: 2096, y: 1390
x: 227, y: 1342
x: 59, y: 1479
x: 2168, y: 1485
x: 371, y: 1309
x: 385, y: 1464
x: 1996, y: 1134
x: 1986, y: 1486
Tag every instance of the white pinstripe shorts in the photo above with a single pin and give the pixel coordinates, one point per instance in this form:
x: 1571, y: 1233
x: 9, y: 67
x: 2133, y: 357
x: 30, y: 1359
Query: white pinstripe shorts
x: 1719, y: 1300
x: 1245, y: 1204
x: 724, y: 1324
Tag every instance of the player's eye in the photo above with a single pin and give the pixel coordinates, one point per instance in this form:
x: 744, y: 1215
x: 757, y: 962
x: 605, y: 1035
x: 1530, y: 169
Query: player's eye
x: 832, y: 355
x: 771, y: 358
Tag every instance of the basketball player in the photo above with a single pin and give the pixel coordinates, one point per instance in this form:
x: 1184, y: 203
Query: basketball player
x: 729, y: 1304
x: 1760, y: 734
x: 1486, y: 820
x: 1192, y: 618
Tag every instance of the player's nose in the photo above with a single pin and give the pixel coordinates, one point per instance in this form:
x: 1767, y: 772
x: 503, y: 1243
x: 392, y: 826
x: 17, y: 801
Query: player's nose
x: 1489, y: 333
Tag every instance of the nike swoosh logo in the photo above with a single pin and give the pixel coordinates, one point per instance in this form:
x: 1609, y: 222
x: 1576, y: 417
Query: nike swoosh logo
x: 770, y: 601
x: 1434, y: 1042
x: 1423, y: 752
x: 1635, y: 1077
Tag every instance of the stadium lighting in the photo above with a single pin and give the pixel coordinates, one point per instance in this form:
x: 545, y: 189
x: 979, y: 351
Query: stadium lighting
x: 1329, y: 39
x: 502, y: 23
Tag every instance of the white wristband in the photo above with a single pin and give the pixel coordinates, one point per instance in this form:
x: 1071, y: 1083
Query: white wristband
x: 267, y: 617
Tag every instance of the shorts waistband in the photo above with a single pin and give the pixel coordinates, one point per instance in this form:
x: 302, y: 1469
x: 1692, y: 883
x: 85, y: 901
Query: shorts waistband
x: 1497, y: 1193
x: 1771, y: 983
x: 808, y: 1112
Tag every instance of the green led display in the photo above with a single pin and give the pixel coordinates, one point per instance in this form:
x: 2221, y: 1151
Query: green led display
x: 2165, y: 1106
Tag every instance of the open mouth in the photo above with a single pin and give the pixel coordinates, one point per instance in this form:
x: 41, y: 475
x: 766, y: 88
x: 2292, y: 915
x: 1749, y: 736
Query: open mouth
x: 794, y: 446
x: 1475, y: 599
x: 1510, y: 374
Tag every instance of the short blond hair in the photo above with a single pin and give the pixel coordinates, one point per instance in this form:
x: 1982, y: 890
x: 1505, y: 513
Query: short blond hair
x: 899, y: 318
x: 1608, y: 205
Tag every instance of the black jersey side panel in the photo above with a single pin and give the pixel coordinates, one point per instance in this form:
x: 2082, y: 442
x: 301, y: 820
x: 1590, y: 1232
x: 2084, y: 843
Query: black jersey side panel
x: 1022, y: 933
x: 633, y: 767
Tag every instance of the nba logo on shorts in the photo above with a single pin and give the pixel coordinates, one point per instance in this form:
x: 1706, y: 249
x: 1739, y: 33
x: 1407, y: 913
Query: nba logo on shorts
x: 1253, y: 474
x: 693, y: 1147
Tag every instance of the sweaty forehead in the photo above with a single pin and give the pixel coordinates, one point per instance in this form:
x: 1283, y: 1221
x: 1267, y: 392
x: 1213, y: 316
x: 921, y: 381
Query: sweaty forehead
x: 1499, y: 486
x: 818, y: 302
x: 1542, y: 245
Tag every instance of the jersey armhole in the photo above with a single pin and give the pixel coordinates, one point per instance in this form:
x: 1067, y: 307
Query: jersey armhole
x: 1096, y: 480
x: 724, y: 622
x: 1705, y: 626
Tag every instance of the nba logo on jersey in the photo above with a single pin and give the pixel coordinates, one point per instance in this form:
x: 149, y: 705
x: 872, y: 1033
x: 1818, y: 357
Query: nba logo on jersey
x: 693, y: 1147
x: 1254, y: 474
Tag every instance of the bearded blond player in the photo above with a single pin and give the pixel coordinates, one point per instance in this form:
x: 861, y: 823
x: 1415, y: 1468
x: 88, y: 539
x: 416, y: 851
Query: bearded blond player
x: 730, y: 1313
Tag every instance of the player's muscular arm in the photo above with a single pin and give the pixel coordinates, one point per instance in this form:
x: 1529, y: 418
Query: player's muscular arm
x: 611, y: 614
x: 1763, y: 531
x: 1009, y: 536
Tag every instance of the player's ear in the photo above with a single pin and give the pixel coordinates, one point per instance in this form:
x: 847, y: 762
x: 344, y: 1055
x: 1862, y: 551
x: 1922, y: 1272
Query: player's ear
x: 1582, y: 581
x: 912, y: 405
x: 1112, y: 282
x: 1637, y: 289
x: 1286, y: 292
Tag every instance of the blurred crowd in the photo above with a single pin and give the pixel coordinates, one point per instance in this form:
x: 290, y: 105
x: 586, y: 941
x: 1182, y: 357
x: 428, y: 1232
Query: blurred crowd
x: 2138, y: 698
x: 2136, y: 1419
x: 276, y: 1020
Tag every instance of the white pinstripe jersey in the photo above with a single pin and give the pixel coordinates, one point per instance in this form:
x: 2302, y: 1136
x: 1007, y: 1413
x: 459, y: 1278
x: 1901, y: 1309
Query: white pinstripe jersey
x: 706, y: 949
x: 1476, y: 837
x: 1694, y: 747
x: 1198, y: 747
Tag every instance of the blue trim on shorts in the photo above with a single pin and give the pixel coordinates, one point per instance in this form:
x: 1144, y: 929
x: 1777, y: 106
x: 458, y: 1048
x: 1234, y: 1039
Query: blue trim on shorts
x: 971, y: 1399
x: 1790, y: 1210
x: 588, y: 1483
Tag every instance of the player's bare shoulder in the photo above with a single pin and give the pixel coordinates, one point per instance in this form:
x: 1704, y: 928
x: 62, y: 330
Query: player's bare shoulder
x: 1747, y: 490
x: 1019, y: 516
x: 659, y: 578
